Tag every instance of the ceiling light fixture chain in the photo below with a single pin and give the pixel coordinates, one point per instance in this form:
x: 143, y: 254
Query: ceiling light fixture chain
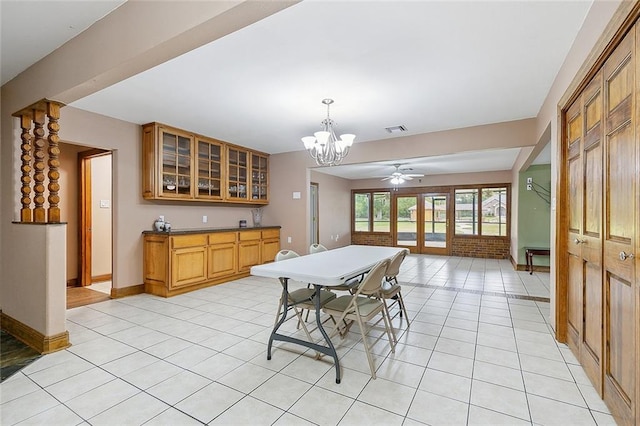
x: 324, y: 146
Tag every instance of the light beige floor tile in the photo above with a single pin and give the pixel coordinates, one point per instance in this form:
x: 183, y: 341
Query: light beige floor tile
x: 498, y: 375
x: 365, y: 414
x: 178, y: 387
x: 499, y: 398
x: 102, y: 398
x: 462, y: 366
x: 77, y: 385
x: 312, y: 406
x: 552, y: 388
x: 16, y: 386
x: 400, y: 372
x: 433, y: 409
x: 209, y: 402
x: 281, y: 391
x: 216, y: 366
x: 447, y: 385
x: 246, y: 378
x: 249, y: 411
x: 132, y: 411
x: 549, y: 412
x: 26, y: 406
x: 387, y: 395
x: 479, y: 416
x: 58, y: 415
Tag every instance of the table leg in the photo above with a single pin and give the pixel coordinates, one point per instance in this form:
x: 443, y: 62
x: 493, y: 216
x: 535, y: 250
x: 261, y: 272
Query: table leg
x: 332, y: 349
x: 327, y: 350
x: 285, y: 301
x: 530, y: 262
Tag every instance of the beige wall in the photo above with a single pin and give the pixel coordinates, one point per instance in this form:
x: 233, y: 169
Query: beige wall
x: 334, y: 210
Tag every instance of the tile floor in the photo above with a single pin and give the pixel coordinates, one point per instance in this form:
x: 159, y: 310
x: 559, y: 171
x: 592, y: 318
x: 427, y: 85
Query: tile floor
x: 471, y: 356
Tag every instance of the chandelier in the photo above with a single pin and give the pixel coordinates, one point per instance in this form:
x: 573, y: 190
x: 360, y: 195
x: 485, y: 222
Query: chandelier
x: 324, y: 146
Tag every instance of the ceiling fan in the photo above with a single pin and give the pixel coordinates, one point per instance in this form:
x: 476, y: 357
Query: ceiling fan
x: 398, y: 176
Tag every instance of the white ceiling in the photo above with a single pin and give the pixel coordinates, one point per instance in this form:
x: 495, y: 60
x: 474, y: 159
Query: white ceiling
x: 427, y: 65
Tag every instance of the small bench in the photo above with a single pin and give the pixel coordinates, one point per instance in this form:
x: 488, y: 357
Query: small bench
x: 534, y: 251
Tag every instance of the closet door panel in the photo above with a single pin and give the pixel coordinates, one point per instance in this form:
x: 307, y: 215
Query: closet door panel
x: 620, y: 150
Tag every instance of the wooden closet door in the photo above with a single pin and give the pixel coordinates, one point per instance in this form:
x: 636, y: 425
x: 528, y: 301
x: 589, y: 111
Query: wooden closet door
x: 574, y: 128
x: 620, y: 325
x: 584, y: 245
x: 591, y: 240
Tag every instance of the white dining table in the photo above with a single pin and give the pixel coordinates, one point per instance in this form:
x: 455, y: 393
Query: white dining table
x: 324, y: 269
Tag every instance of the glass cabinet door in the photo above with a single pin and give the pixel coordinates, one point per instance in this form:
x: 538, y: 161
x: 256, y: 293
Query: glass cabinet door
x: 176, y: 164
x: 237, y: 178
x: 259, y: 177
x: 209, y: 169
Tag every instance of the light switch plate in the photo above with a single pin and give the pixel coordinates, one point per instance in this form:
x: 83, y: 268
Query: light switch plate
x: 104, y: 204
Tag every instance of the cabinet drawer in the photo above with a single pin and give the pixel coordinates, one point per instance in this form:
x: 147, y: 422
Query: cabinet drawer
x: 249, y: 235
x: 222, y: 237
x: 195, y: 240
x: 270, y: 233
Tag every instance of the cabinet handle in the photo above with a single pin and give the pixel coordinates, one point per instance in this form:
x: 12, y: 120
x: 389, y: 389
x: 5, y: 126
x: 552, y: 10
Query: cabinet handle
x: 624, y: 256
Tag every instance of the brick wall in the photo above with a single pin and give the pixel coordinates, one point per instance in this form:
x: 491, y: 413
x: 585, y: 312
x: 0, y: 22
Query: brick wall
x: 486, y: 247
x: 372, y: 239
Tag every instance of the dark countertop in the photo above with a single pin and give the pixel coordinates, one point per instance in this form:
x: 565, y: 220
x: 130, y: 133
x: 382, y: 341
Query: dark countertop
x: 207, y: 230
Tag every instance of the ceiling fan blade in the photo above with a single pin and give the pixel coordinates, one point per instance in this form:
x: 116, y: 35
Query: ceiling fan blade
x: 407, y: 177
x: 415, y: 175
x: 387, y: 178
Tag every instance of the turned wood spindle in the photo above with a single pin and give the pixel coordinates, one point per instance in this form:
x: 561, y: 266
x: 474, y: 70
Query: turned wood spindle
x: 53, y: 114
x: 25, y: 168
x: 39, y: 214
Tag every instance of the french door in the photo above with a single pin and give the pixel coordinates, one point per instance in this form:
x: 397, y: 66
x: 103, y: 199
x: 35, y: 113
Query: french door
x: 422, y: 222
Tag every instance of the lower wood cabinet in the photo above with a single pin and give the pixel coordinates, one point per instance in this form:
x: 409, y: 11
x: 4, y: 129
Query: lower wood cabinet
x: 176, y: 263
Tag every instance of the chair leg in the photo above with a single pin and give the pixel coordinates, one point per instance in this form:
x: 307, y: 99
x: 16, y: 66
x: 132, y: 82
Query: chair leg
x: 403, y: 308
x: 366, y: 347
x: 387, y: 322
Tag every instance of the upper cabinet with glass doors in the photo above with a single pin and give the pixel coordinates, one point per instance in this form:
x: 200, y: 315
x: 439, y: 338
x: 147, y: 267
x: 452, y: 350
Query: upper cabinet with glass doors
x: 181, y: 165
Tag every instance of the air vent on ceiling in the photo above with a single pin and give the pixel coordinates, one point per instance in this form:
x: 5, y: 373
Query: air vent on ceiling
x: 396, y: 129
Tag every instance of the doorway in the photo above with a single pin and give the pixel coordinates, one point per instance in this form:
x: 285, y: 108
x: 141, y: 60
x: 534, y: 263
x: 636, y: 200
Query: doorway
x: 422, y: 222
x: 314, y: 235
x: 95, y: 220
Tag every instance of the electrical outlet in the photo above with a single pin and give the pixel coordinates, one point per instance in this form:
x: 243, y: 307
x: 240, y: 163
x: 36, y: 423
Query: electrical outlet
x: 289, y: 240
x: 529, y: 180
x: 529, y: 187
x: 204, y: 219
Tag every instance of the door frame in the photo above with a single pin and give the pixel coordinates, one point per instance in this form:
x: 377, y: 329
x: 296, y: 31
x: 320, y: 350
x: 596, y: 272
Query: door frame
x: 446, y: 250
x: 84, y: 214
x: 314, y: 213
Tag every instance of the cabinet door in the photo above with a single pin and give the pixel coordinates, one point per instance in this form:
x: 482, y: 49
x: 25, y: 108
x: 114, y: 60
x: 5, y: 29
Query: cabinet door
x: 259, y: 178
x: 209, y: 161
x: 175, y: 154
x: 237, y: 174
x: 188, y: 266
x: 222, y: 260
x: 248, y: 255
x: 269, y: 249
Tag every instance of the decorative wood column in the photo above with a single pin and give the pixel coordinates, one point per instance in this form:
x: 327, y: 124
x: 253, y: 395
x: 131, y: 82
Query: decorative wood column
x: 40, y: 157
x: 25, y: 211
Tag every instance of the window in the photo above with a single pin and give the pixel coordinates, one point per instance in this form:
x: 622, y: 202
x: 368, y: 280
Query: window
x: 481, y: 211
x: 494, y: 211
x: 372, y: 216
x: 466, y: 209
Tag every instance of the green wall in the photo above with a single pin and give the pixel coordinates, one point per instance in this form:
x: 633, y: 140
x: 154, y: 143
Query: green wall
x: 534, y: 213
